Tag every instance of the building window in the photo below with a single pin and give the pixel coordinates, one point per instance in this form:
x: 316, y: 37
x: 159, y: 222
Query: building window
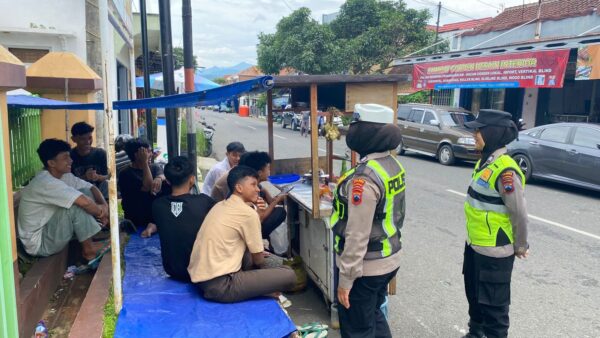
x: 28, y: 55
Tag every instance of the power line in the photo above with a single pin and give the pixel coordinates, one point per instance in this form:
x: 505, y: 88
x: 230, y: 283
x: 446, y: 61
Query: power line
x: 488, y: 4
x: 427, y: 3
x: 287, y: 5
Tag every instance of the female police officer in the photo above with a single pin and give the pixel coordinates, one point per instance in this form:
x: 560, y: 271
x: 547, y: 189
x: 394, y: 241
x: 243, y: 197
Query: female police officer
x: 368, y: 214
x: 496, y: 225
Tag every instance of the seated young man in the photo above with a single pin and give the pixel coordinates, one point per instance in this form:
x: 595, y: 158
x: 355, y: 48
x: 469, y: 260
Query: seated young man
x: 140, y: 183
x: 178, y: 217
x: 232, y: 157
x: 57, y: 206
x: 270, y: 214
x: 228, y: 252
x: 89, y: 163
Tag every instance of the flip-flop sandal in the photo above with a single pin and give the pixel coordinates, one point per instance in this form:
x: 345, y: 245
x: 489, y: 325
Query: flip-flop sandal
x: 94, y: 262
x: 284, y: 301
x: 311, y: 327
x: 316, y: 334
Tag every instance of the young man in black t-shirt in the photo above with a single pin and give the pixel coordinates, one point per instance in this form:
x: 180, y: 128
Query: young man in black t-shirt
x: 140, y: 184
x: 178, y: 217
x: 89, y: 163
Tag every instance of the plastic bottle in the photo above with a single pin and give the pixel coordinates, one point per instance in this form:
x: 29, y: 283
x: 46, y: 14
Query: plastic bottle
x: 40, y: 330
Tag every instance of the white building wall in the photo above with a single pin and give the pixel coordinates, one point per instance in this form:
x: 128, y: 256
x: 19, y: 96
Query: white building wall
x: 57, y: 25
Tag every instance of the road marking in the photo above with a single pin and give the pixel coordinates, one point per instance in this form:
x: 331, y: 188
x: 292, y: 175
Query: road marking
x: 226, y: 119
x: 323, y: 150
x: 236, y: 122
x: 581, y: 232
x: 281, y: 137
x: 251, y: 127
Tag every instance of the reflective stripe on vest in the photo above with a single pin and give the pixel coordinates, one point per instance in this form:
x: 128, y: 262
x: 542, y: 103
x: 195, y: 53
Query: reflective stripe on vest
x: 484, y: 209
x: 393, y: 186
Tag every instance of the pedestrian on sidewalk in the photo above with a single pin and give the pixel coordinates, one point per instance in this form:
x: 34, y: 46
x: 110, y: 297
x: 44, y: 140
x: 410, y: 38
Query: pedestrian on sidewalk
x: 304, y: 124
x: 496, y: 225
x: 369, y: 209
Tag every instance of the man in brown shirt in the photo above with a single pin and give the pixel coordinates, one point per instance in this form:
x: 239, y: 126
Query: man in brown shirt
x: 228, y: 252
x: 272, y: 214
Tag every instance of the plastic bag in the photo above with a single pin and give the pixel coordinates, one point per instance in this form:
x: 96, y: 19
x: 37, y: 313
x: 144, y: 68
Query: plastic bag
x: 279, y: 239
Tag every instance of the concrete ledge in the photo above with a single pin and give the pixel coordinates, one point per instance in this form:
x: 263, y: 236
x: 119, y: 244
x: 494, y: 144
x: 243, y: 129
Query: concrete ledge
x: 37, y: 287
x: 89, y: 321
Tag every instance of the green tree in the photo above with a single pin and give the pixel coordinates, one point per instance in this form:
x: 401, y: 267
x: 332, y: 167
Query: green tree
x: 300, y: 42
x: 220, y: 81
x: 365, y: 38
x: 178, y: 58
x: 377, y: 32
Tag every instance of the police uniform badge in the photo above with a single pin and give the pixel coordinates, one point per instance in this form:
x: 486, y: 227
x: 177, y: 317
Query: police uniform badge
x: 357, y: 190
x: 176, y: 208
x: 484, y: 178
x: 507, y: 179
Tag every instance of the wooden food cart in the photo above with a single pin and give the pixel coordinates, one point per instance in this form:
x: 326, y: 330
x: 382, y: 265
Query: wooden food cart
x: 308, y: 216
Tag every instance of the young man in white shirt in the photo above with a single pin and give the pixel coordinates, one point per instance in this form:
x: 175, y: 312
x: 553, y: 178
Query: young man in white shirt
x: 57, y: 206
x: 232, y: 158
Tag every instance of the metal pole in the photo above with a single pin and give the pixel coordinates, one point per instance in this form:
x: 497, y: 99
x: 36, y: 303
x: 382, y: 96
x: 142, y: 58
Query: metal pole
x: 168, y: 76
x: 188, y: 63
x: 106, y: 39
x: 146, y: 60
x: 270, y: 125
x: 437, y: 24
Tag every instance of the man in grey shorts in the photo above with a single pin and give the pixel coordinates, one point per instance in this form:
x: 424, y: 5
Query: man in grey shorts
x: 56, y: 206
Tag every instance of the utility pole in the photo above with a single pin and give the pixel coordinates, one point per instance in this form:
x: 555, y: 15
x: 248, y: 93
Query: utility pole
x: 437, y: 32
x: 188, y: 63
x: 168, y: 76
x: 146, y: 60
x: 437, y: 24
x: 538, y: 24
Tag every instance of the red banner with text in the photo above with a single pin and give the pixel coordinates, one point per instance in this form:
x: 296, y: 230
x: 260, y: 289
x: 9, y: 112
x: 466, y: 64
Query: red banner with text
x: 542, y: 69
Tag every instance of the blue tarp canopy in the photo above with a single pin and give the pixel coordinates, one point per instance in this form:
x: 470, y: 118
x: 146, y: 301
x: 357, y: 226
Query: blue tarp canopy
x: 27, y: 101
x: 155, y: 305
x: 206, y: 97
x: 156, y: 81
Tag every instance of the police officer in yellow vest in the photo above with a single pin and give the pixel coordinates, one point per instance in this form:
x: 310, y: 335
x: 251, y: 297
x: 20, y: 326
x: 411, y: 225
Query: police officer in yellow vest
x: 368, y: 214
x: 496, y: 225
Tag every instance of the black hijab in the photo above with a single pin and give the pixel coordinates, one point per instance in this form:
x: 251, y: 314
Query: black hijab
x: 368, y: 137
x: 496, y: 137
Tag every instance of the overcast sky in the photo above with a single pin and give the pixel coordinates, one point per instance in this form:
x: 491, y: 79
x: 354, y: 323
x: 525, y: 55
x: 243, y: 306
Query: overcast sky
x: 225, y: 31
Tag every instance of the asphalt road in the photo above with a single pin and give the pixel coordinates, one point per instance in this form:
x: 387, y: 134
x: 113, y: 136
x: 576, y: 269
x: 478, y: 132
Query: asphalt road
x: 555, y: 292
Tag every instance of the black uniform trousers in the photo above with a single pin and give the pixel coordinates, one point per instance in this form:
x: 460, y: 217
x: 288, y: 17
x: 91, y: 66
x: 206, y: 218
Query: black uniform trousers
x: 364, y: 318
x: 487, y: 285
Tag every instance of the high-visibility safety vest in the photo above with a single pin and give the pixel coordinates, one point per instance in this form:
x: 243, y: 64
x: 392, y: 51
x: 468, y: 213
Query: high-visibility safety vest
x: 484, y: 208
x: 388, y: 174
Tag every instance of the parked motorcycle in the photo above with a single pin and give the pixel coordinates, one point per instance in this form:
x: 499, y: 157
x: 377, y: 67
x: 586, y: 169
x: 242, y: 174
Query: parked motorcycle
x: 209, y: 132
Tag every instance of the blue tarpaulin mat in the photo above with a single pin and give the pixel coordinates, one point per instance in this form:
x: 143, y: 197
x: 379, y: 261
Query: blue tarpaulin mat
x: 206, y: 97
x: 155, y: 305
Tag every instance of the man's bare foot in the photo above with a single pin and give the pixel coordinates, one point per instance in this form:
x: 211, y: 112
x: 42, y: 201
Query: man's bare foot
x: 90, y: 251
x: 149, y: 231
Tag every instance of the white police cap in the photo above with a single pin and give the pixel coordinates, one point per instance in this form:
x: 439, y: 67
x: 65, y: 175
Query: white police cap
x: 371, y: 112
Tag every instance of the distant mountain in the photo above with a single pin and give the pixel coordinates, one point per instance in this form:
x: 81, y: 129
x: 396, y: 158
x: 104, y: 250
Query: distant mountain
x: 216, y: 72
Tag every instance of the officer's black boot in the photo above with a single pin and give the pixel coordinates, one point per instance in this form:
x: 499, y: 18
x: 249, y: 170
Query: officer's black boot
x: 475, y: 330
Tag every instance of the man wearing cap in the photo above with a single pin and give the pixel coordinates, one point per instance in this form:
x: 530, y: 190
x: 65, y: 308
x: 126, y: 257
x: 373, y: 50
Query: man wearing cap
x: 496, y: 225
x: 369, y: 210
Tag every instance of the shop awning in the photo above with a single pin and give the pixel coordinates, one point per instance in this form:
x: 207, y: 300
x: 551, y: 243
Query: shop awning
x: 536, y: 69
x: 206, y: 97
x: 26, y: 101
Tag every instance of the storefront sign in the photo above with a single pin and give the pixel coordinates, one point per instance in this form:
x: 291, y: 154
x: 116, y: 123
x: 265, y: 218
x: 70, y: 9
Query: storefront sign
x: 544, y: 69
x: 588, y: 63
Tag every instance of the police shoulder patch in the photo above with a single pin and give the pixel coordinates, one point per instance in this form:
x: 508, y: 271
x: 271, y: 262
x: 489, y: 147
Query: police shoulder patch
x: 507, y: 180
x: 358, y: 186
